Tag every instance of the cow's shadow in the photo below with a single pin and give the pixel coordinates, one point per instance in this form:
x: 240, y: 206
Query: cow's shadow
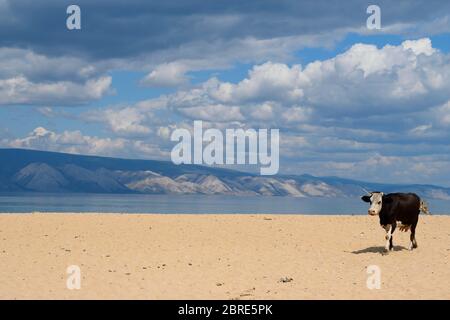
x: 378, y: 249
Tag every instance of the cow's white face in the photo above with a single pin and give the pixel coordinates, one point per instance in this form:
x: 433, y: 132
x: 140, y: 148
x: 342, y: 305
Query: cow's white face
x: 376, y: 202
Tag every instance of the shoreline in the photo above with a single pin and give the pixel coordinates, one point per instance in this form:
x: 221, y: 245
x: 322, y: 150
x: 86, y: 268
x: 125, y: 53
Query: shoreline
x: 202, y: 214
x: 218, y: 256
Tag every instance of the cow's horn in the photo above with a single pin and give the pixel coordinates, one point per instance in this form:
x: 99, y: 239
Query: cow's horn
x: 368, y: 192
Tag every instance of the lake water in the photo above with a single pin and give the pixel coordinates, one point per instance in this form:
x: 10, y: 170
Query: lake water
x: 136, y: 203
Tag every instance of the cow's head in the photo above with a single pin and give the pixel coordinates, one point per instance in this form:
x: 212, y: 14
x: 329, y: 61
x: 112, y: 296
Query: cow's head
x: 376, y: 201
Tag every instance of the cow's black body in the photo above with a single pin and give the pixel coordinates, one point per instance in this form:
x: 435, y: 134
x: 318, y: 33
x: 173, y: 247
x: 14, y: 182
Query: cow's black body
x: 403, y: 207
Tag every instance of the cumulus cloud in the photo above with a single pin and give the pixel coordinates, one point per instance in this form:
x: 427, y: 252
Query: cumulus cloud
x: 269, y: 81
x: 39, y: 67
x: 126, y: 121
x: 361, y: 88
x: 213, y: 113
x: 19, y: 90
x: 168, y: 39
x: 296, y: 114
x: 363, y: 80
x: 132, y: 120
x: 167, y: 75
x: 363, y: 100
x: 75, y: 142
x: 27, y: 77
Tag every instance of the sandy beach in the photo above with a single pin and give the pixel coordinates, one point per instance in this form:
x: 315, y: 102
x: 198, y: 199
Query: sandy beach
x: 218, y: 257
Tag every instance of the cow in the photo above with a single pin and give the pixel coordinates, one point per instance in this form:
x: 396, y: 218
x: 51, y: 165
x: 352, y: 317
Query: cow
x: 396, y: 210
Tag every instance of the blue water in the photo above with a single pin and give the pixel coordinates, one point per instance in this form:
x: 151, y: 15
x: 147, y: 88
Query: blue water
x: 31, y: 202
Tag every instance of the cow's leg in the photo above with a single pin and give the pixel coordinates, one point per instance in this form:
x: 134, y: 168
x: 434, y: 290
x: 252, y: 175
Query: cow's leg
x: 412, y: 237
x: 391, y: 244
x: 388, y: 237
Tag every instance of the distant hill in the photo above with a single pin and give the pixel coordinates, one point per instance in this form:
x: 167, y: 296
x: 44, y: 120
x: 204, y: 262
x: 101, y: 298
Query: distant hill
x: 41, y: 171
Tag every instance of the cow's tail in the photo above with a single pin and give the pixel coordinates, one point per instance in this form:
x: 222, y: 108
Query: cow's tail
x: 424, y: 207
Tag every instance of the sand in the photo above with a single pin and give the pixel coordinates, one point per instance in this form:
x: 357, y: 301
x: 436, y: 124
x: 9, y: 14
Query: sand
x: 218, y: 257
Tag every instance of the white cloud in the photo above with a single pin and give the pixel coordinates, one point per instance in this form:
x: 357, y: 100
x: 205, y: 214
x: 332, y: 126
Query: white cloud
x: 443, y: 114
x: 213, y: 113
x: 19, y: 90
x: 164, y: 132
x: 363, y: 80
x: 296, y: 114
x: 38, y: 67
x: 365, y: 111
x: 46, y: 111
x: 422, y: 169
x: 167, y: 75
x: 368, y: 80
x: 27, y: 77
x: 75, y: 142
x: 421, y: 46
x: 264, y: 111
x: 126, y: 121
x: 134, y: 120
x: 420, y: 130
x: 269, y: 81
x: 358, y: 101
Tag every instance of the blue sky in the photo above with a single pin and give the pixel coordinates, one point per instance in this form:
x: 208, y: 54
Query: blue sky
x: 350, y: 102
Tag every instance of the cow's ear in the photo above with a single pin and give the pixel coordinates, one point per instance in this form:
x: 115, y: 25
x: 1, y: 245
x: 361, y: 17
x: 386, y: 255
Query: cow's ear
x: 365, y: 198
x: 387, y: 199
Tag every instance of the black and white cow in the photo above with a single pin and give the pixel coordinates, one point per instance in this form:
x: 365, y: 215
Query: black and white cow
x: 396, y: 209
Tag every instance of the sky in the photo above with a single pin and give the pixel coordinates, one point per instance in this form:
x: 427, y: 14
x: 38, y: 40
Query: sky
x: 348, y: 101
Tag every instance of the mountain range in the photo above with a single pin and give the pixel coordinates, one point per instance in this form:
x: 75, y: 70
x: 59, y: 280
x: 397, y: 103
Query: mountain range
x: 42, y: 171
